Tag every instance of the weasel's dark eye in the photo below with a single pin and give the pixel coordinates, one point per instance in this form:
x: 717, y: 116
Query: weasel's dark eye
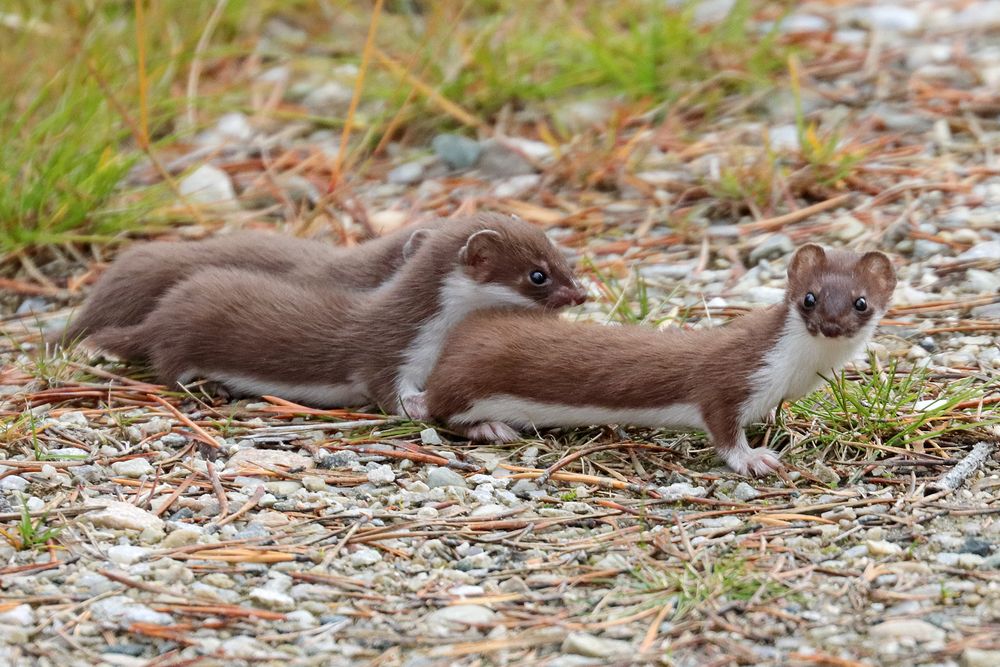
x: 810, y: 301
x: 538, y: 277
x: 861, y: 305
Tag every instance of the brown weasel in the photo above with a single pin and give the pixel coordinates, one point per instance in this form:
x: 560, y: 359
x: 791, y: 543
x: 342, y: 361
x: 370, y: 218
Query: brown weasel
x: 499, y: 370
x: 129, y: 290
x: 256, y: 334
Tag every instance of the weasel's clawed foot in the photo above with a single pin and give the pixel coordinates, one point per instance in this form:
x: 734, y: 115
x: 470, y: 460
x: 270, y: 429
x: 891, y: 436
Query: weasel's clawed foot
x: 753, y: 462
x: 491, y: 431
x: 415, y: 406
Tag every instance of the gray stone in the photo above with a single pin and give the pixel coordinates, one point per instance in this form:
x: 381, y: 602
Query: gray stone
x: 907, y: 628
x: 381, y: 474
x: 883, y: 548
x: 849, y: 228
x: 174, y: 440
x: 924, y: 249
x: 826, y: 474
x: 314, y: 483
x: 74, y: 418
x: 581, y: 643
x: 283, y: 487
x: 407, y: 173
x: 122, y: 611
x: 183, y: 535
x: 429, y: 436
x: 976, y: 546
x: 774, y: 246
x: 33, y: 304
x: 795, y: 24
x: 977, y: 657
x: 525, y: 488
x: 517, y: 186
x: 365, y: 557
x: 231, y: 128
x: 480, y: 561
x: 124, y: 516
x: 456, y: 151
x: 10, y: 635
x: 465, y: 614
x: 745, y: 492
x: 979, y: 280
x: 708, y: 12
x: 681, y: 490
x: 22, y: 615
x: 132, y: 468
x: 328, y: 97
x: 501, y: 160
x: 14, y: 483
x: 577, y: 115
x: 855, y: 552
x: 126, y: 554
x: 890, y: 18
x: 208, y: 185
x: 445, y: 477
x: 784, y: 138
x: 272, y: 599
x: 252, y: 460
x: 988, y: 312
x: 986, y: 250
x: 242, y: 646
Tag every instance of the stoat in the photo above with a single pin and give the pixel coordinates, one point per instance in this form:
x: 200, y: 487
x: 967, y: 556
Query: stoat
x: 301, y: 341
x: 499, y: 371
x: 131, y: 287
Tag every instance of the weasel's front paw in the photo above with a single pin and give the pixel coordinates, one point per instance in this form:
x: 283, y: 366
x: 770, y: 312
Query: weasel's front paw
x: 753, y: 462
x: 415, y: 406
x: 491, y: 431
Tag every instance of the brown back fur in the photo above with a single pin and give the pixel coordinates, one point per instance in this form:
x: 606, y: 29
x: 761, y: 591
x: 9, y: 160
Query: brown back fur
x: 131, y: 287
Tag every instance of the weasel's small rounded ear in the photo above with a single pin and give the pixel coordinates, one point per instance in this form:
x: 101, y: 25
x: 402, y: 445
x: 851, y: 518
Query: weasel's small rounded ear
x: 478, y: 247
x: 877, y: 268
x: 414, y: 242
x: 809, y: 256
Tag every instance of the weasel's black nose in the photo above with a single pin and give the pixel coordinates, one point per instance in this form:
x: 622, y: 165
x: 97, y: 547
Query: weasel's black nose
x: 567, y: 296
x: 831, y: 330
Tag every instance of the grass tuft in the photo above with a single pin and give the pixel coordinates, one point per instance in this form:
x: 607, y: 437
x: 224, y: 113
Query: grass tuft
x: 889, y: 407
x: 30, y: 534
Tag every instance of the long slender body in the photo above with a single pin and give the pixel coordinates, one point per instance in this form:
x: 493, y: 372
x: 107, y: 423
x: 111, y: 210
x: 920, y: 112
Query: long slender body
x: 501, y: 369
x: 131, y: 287
x: 305, y: 342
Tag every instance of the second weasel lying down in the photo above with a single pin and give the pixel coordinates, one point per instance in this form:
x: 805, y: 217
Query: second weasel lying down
x: 501, y: 369
x: 256, y: 333
x: 129, y: 290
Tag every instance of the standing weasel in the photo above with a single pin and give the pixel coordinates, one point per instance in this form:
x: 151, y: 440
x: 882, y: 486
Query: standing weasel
x: 257, y: 334
x: 129, y: 290
x: 500, y: 370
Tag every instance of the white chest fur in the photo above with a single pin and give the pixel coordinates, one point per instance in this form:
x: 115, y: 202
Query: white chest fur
x: 460, y: 295
x: 796, y: 364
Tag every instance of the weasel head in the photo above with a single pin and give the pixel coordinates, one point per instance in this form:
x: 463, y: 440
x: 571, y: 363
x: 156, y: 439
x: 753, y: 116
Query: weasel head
x: 517, y: 255
x: 839, y: 293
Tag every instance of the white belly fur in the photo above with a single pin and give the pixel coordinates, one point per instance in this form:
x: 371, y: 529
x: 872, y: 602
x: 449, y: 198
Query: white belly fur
x: 526, y: 413
x: 320, y: 395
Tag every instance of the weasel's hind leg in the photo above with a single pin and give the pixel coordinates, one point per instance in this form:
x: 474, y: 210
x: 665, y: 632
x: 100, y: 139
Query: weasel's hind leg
x: 490, y: 431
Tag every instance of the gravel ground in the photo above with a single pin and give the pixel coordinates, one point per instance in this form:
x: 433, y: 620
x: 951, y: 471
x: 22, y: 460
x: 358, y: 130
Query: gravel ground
x: 171, y: 529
